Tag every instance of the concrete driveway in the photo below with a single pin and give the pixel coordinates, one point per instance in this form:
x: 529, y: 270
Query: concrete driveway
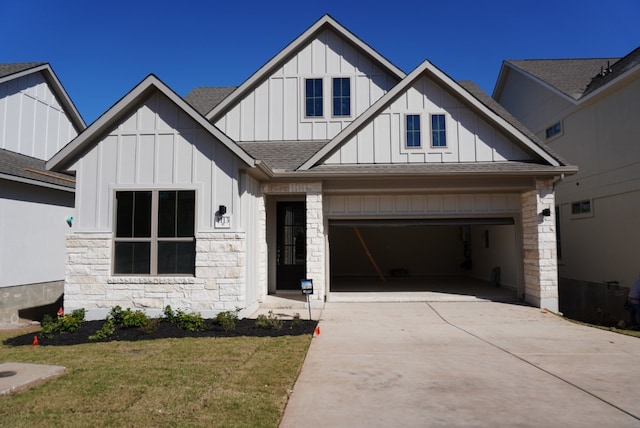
x: 463, y: 364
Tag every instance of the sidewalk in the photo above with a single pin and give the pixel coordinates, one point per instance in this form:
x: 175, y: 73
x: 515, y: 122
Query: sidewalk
x: 463, y: 364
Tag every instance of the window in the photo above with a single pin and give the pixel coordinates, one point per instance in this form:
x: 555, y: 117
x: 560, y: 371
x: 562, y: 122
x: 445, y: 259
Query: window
x: 581, y: 208
x: 413, y: 130
x: 438, y: 131
x: 155, y: 232
x: 342, y: 96
x: 553, y: 130
x: 313, y: 97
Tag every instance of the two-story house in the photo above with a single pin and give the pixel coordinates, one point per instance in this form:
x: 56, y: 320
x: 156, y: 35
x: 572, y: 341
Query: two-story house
x: 327, y: 164
x: 37, y: 118
x: 587, y: 110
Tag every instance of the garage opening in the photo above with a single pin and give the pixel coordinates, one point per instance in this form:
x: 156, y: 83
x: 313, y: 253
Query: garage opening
x: 457, y: 256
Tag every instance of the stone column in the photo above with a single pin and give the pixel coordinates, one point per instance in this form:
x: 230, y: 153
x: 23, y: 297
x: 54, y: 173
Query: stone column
x: 315, y: 243
x: 539, y: 246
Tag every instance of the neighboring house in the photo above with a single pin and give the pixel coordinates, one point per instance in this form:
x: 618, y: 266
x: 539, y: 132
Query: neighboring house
x: 588, y: 111
x: 330, y: 164
x: 37, y: 119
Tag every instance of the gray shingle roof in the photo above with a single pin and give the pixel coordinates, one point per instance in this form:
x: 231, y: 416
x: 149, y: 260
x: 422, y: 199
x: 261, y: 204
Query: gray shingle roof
x: 26, y: 167
x: 205, y: 98
x: 12, y: 68
x: 570, y: 76
x: 509, y: 167
x: 283, y: 155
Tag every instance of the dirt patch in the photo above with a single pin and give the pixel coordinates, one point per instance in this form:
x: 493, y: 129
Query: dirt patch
x: 164, y: 330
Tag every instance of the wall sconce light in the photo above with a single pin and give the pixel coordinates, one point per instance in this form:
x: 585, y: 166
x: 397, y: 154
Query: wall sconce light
x: 222, y: 210
x: 70, y: 221
x: 546, y: 212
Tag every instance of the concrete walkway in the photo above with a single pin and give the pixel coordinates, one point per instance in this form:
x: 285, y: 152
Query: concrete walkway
x: 463, y: 364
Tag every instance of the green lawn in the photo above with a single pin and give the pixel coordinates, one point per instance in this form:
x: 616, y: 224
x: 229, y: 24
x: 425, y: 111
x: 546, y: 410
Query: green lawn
x: 204, y: 382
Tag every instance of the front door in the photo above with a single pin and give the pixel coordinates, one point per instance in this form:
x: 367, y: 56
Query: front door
x: 291, y: 254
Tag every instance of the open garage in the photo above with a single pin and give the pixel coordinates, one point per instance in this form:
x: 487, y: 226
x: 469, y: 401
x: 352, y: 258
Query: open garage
x: 396, y: 257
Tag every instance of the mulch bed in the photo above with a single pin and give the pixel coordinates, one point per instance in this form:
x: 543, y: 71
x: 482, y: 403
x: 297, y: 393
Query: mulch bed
x: 164, y: 330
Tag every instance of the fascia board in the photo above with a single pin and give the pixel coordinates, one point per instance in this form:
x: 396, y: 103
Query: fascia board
x: 292, y: 47
x: 541, y: 83
x: 610, y: 84
x: 36, y: 183
x: 23, y: 73
x: 567, y: 170
x: 108, y: 119
x: 58, y: 89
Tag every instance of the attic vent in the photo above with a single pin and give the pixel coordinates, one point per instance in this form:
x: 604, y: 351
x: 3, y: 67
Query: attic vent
x: 605, y: 71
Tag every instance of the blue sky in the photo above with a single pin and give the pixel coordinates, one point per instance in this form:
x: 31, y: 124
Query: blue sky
x: 101, y: 50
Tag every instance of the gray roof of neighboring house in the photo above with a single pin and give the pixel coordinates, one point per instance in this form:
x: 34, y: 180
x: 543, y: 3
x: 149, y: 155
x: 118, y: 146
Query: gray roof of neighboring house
x: 205, y: 98
x: 572, y: 77
x: 12, y: 68
x: 32, y: 169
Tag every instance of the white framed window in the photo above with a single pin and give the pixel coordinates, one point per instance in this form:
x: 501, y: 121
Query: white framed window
x: 553, y: 131
x: 154, y: 232
x: 412, y: 131
x: 438, y: 130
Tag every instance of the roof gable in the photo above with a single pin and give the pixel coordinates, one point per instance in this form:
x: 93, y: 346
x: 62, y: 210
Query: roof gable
x: 123, y: 109
x: 326, y: 22
x: 17, y: 70
x: 517, y: 133
x: 574, y: 79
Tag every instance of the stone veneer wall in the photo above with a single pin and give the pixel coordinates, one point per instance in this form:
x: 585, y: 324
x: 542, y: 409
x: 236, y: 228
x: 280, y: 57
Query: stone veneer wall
x: 217, y: 286
x: 539, y: 245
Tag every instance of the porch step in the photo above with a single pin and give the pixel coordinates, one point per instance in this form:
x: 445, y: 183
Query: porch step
x: 284, y: 300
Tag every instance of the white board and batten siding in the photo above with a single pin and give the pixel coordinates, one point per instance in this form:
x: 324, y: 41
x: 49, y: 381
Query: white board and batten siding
x: 469, y: 137
x: 156, y: 147
x: 274, y: 110
x: 32, y: 121
x: 422, y: 206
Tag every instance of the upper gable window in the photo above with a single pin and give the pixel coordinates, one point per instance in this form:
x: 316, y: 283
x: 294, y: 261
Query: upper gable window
x: 313, y: 98
x: 552, y: 131
x: 342, y: 96
x: 438, y: 131
x: 413, y: 130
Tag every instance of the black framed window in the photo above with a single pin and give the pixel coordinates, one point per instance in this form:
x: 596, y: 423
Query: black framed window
x: 313, y: 98
x: 154, y: 232
x: 342, y: 96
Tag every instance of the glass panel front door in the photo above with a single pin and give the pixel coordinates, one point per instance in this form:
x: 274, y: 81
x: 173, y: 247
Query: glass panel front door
x: 291, y: 256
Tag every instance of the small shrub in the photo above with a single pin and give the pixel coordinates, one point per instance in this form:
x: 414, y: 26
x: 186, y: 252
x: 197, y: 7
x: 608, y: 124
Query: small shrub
x: 151, y: 325
x: 128, y: 318
x: 70, y: 322
x: 271, y: 321
x: 295, y: 322
x: 169, y: 314
x: 228, y: 319
x: 48, y: 326
x: 189, y: 321
x: 107, y: 330
x: 63, y: 323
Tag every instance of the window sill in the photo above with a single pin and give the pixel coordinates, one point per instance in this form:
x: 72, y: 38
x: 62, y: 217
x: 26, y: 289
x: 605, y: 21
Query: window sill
x: 151, y: 280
